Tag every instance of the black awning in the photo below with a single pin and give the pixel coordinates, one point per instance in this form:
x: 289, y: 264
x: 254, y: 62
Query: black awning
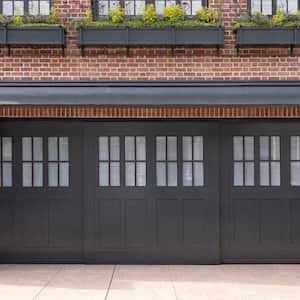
x: 150, y: 93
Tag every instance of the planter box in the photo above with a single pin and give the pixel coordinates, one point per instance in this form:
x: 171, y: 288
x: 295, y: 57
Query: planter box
x: 2, y: 36
x: 150, y: 37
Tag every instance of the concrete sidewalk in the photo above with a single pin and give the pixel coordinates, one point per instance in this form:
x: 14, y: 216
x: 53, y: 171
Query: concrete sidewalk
x: 122, y: 282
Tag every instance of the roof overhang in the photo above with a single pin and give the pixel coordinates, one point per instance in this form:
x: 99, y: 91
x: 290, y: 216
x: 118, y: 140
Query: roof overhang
x: 132, y: 93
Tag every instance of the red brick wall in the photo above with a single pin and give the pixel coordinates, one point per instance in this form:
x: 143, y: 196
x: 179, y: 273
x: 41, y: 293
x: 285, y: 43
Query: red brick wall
x: 149, y: 64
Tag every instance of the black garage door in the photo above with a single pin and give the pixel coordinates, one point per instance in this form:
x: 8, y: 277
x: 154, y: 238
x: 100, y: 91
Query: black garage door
x: 149, y: 192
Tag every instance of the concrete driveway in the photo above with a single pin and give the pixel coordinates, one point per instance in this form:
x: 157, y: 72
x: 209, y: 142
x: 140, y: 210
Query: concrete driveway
x: 122, y: 282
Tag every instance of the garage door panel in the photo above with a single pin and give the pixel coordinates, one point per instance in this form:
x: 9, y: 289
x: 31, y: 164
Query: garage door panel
x: 295, y: 220
x: 6, y: 222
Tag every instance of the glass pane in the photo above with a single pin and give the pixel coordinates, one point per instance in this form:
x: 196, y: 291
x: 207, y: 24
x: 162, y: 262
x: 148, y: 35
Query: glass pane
x: 129, y: 7
x: 264, y: 147
x: 52, y: 149
x: 114, y: 148
x: 275, y: 147
x: 238, y: 148
x: 187, y: 6
x: 295, y: 147
x: 64, y: 174
x: 141, y: 174
x: 275, y: 173
x: 130, y: 174
x: 7, y: 8
x: 267, y: 7
x: 63, y: 148
x: 249, y: 173
x: 264, y: 174
x: 7, y: 149
x: 159, y: 5
x: 295, y: 173
x: 161, y: 148
x: 103, y: 148
x: 187, y: 174
x: 37, y: 174
x: 172, y: 148
x: 187, y: 147
x: 292, y: 6
x: 198, y: 174
x: 196, y: 5
x: 33, y: 7
x: 53, y: 174
x: 7, y: 174
x: 140, y: 148
x: 37, y: 148
x: 161, y: 174
x: 103, y: 8
x: 27, y: 174
x: 198, y: 148
x: 44, y: 8
x: 249, y: 147
x: 103, y: 174
x: 19, y: 8
x: 114, y: 174
x: 172, y: 174
x: 26, y: 148
x: 238, y: 174
x: 129, y: 148
x: 139, y: 7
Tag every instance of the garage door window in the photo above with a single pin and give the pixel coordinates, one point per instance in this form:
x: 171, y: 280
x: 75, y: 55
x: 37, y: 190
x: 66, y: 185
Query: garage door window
x: 295, y: 160
x: 269, y: 149
x: 58, y: 161
x: 5, y: 161
x: 32, y: 161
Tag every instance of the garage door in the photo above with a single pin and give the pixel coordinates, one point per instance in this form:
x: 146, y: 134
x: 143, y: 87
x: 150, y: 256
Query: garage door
x: 261, y: 188
x: 151, y: 192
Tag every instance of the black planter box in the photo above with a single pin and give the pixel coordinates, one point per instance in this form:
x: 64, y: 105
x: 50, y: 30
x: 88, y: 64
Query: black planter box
x: 2, y: 36
x: 266, y: 37
x: 213, y: 36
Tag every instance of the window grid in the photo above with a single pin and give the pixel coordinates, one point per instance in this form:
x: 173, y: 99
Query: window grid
x: 295, y: 160
x: 6, y: 161
x: 25, y: 7
x: 269, y: 7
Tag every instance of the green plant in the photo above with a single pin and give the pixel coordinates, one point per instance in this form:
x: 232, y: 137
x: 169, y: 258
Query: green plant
x: 54, y: 16
x: 117, y: 14
x: 89, y: 17
x: 18, y: 21
x: 173, y: 13
x: 149, y: 14
x: 278, y: 19
x: 207, y: 15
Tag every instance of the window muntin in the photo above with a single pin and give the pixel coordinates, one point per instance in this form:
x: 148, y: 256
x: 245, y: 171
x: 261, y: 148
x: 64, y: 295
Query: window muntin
x: 58, y: 161
x: 295, y: 160
x: 25, y: 7
x: 32, y: 161
x: 269, y: 7
x: 243, y: 161
x: 6, y: 162
x: 269, y: 165
x: 192, y: 156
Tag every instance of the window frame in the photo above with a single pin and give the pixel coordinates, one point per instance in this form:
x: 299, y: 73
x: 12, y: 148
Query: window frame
x: 95, y: 7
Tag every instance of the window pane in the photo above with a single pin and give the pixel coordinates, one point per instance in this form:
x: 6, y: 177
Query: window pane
x: 52, y: 149
x: 267, y: 7
x: 141, y: 174
x: 275, y: 147
x: 187, y: 147
x: 238, y: 148
x: 295, y: 173
x: 53, y: 174
x: 38, y: 174
x: 6, y: 149
x: 249, y: 147
x: 172, y: 174
x: 139, y: 7
x: 27, y: 174
x: 129, y: 148
x: 238, y: 174
x: 198, y: 174
x: 187, y: 174
x: 37, y: 148
x: 44, y: 8
x: 64, y: 174
x: 159, y: 5
x: 114, y: 174
x: 33, y: 7
x: 249, y: 173
x: 295, y: 147
x: 103, y: 174
x: 63, y: 149
x: 264, y: 147
x: 196, y: 5
x: 26, y: 148
x: 7, y: 174
x: 103, y: 8
x: 19, y: 8
x: 161, y: 148
x: 129, y: 7
x: 275, y: 173
x: 140, y: 148
x: 198, y: 148
x: 7, y: 8
x: 130, y: 174
x: 172, y: 147
x: 161, y: 174
x: 264, y: 174
x: 114, y: 148
x: 103, y: 148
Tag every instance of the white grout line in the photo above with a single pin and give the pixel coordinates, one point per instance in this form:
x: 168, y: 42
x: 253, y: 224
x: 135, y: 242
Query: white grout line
x: 110, y: 282
x: 47, y: 283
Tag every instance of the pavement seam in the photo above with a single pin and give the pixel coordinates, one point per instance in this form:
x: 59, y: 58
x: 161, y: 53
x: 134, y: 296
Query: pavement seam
x: 47, y: 283
x: 172, y: 282
x: 110, y: 282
